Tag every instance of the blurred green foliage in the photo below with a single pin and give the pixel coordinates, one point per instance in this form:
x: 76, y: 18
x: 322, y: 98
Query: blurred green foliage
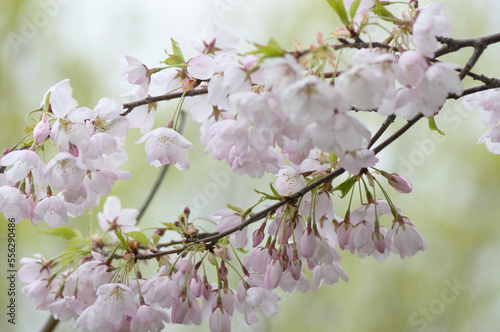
x: 454, y: 204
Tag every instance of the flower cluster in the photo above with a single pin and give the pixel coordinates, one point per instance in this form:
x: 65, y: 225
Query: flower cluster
x: 287, y: 113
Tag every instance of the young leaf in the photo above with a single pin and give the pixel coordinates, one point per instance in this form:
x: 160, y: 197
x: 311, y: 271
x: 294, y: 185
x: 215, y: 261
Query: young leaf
x: 338, y: 6
x: 433, y: 126
x: 381, y: 11
x: 354, y: 8
x: 64, y: 231
x: 122, y: 240
x: 177, y: 58
x: 333, y: 158
x: 173, y: 227
x: 139, y: 236
x: 272, y: 49
x: 345, y: 187
x: 156, y: 238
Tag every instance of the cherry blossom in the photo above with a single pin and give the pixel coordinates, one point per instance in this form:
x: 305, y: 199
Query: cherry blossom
x: 166, y: 146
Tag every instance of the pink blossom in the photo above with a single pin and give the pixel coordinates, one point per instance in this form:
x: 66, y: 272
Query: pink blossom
x: 439, y: 81
x: 211, y: 40
x: 66, y: 308
x: 407, y: 239
x: 64, y: 171
x: 135, y: 72
x: 166, y: 146
x: 149, y: 318
x: 39, y: 291
x: 491, y: 139
x: 23, y: 162
x: 142, y: 116
x: 355, y: 161
x: 220, y: 321
x: 113, y: 217
x: 328, y: 273
x: 201, y: 67
x: 259, y: 300
x: 106, y: 118
x: 311, y: 94
x: 289, y: 180
x: 51, y: 209
x: 430, y: 22
x: 33, y: 269
x: 161, y: 289
x: 14, y: 205
x: 228, y: 219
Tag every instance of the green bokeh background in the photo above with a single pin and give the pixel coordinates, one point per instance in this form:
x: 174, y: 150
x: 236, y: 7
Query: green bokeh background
x: 455, y: 202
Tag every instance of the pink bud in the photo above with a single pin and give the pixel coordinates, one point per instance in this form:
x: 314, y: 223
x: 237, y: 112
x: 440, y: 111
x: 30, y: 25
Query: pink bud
x: 273, y: 274
x: 196, y: 286
x: 223, y: 271
x: 296, y: 268
x: 258, y: 236
x: 307, y: 244
x: 344, y: 234
x: 179, y: 310
x: 378, y: 241
x: 42, y: 130
x: 399, y: 183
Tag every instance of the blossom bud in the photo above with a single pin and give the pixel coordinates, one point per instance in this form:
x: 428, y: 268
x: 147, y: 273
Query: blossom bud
x: 398, y: 182
x: 42, y: 130
x: 378, y: 241
x: 307, y: 244
x: 223, y: 271
x: 296, y: 268
x: 258, y: 236
x: 196, y: 286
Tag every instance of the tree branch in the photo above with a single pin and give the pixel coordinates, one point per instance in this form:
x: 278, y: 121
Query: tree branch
x: 453, y: 45
x: 153, y: 99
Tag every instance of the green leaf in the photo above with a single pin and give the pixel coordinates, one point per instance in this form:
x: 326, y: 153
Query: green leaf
x: 266, y: 195
x: 139, y: 236
x: 433, y: 126
x: 333, y: 158
x: 346, y: 186
x: 177, y: 58
x: 173, y: 227
x: 354, y: 8
x: 64, y: 231
x: 338, y: 7
x: 234, y: 208
x: 381, y: 11
x: 156, y: 238
x: 272, y: 49
x: 122, y: 240
x: 275, y: 192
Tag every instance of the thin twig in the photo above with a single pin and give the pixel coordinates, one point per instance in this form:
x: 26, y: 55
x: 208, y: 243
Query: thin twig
x: 153, y: 99
x: 390, y: 119
x: 453, y: 45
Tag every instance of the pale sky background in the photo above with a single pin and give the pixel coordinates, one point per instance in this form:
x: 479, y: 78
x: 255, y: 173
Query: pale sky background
x: 456, y: 182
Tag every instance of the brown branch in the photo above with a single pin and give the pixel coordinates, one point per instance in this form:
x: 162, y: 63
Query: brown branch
x: 50, y: 324
x: 390, y: 119
x: 153, y: 99
x: 453, y: 45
